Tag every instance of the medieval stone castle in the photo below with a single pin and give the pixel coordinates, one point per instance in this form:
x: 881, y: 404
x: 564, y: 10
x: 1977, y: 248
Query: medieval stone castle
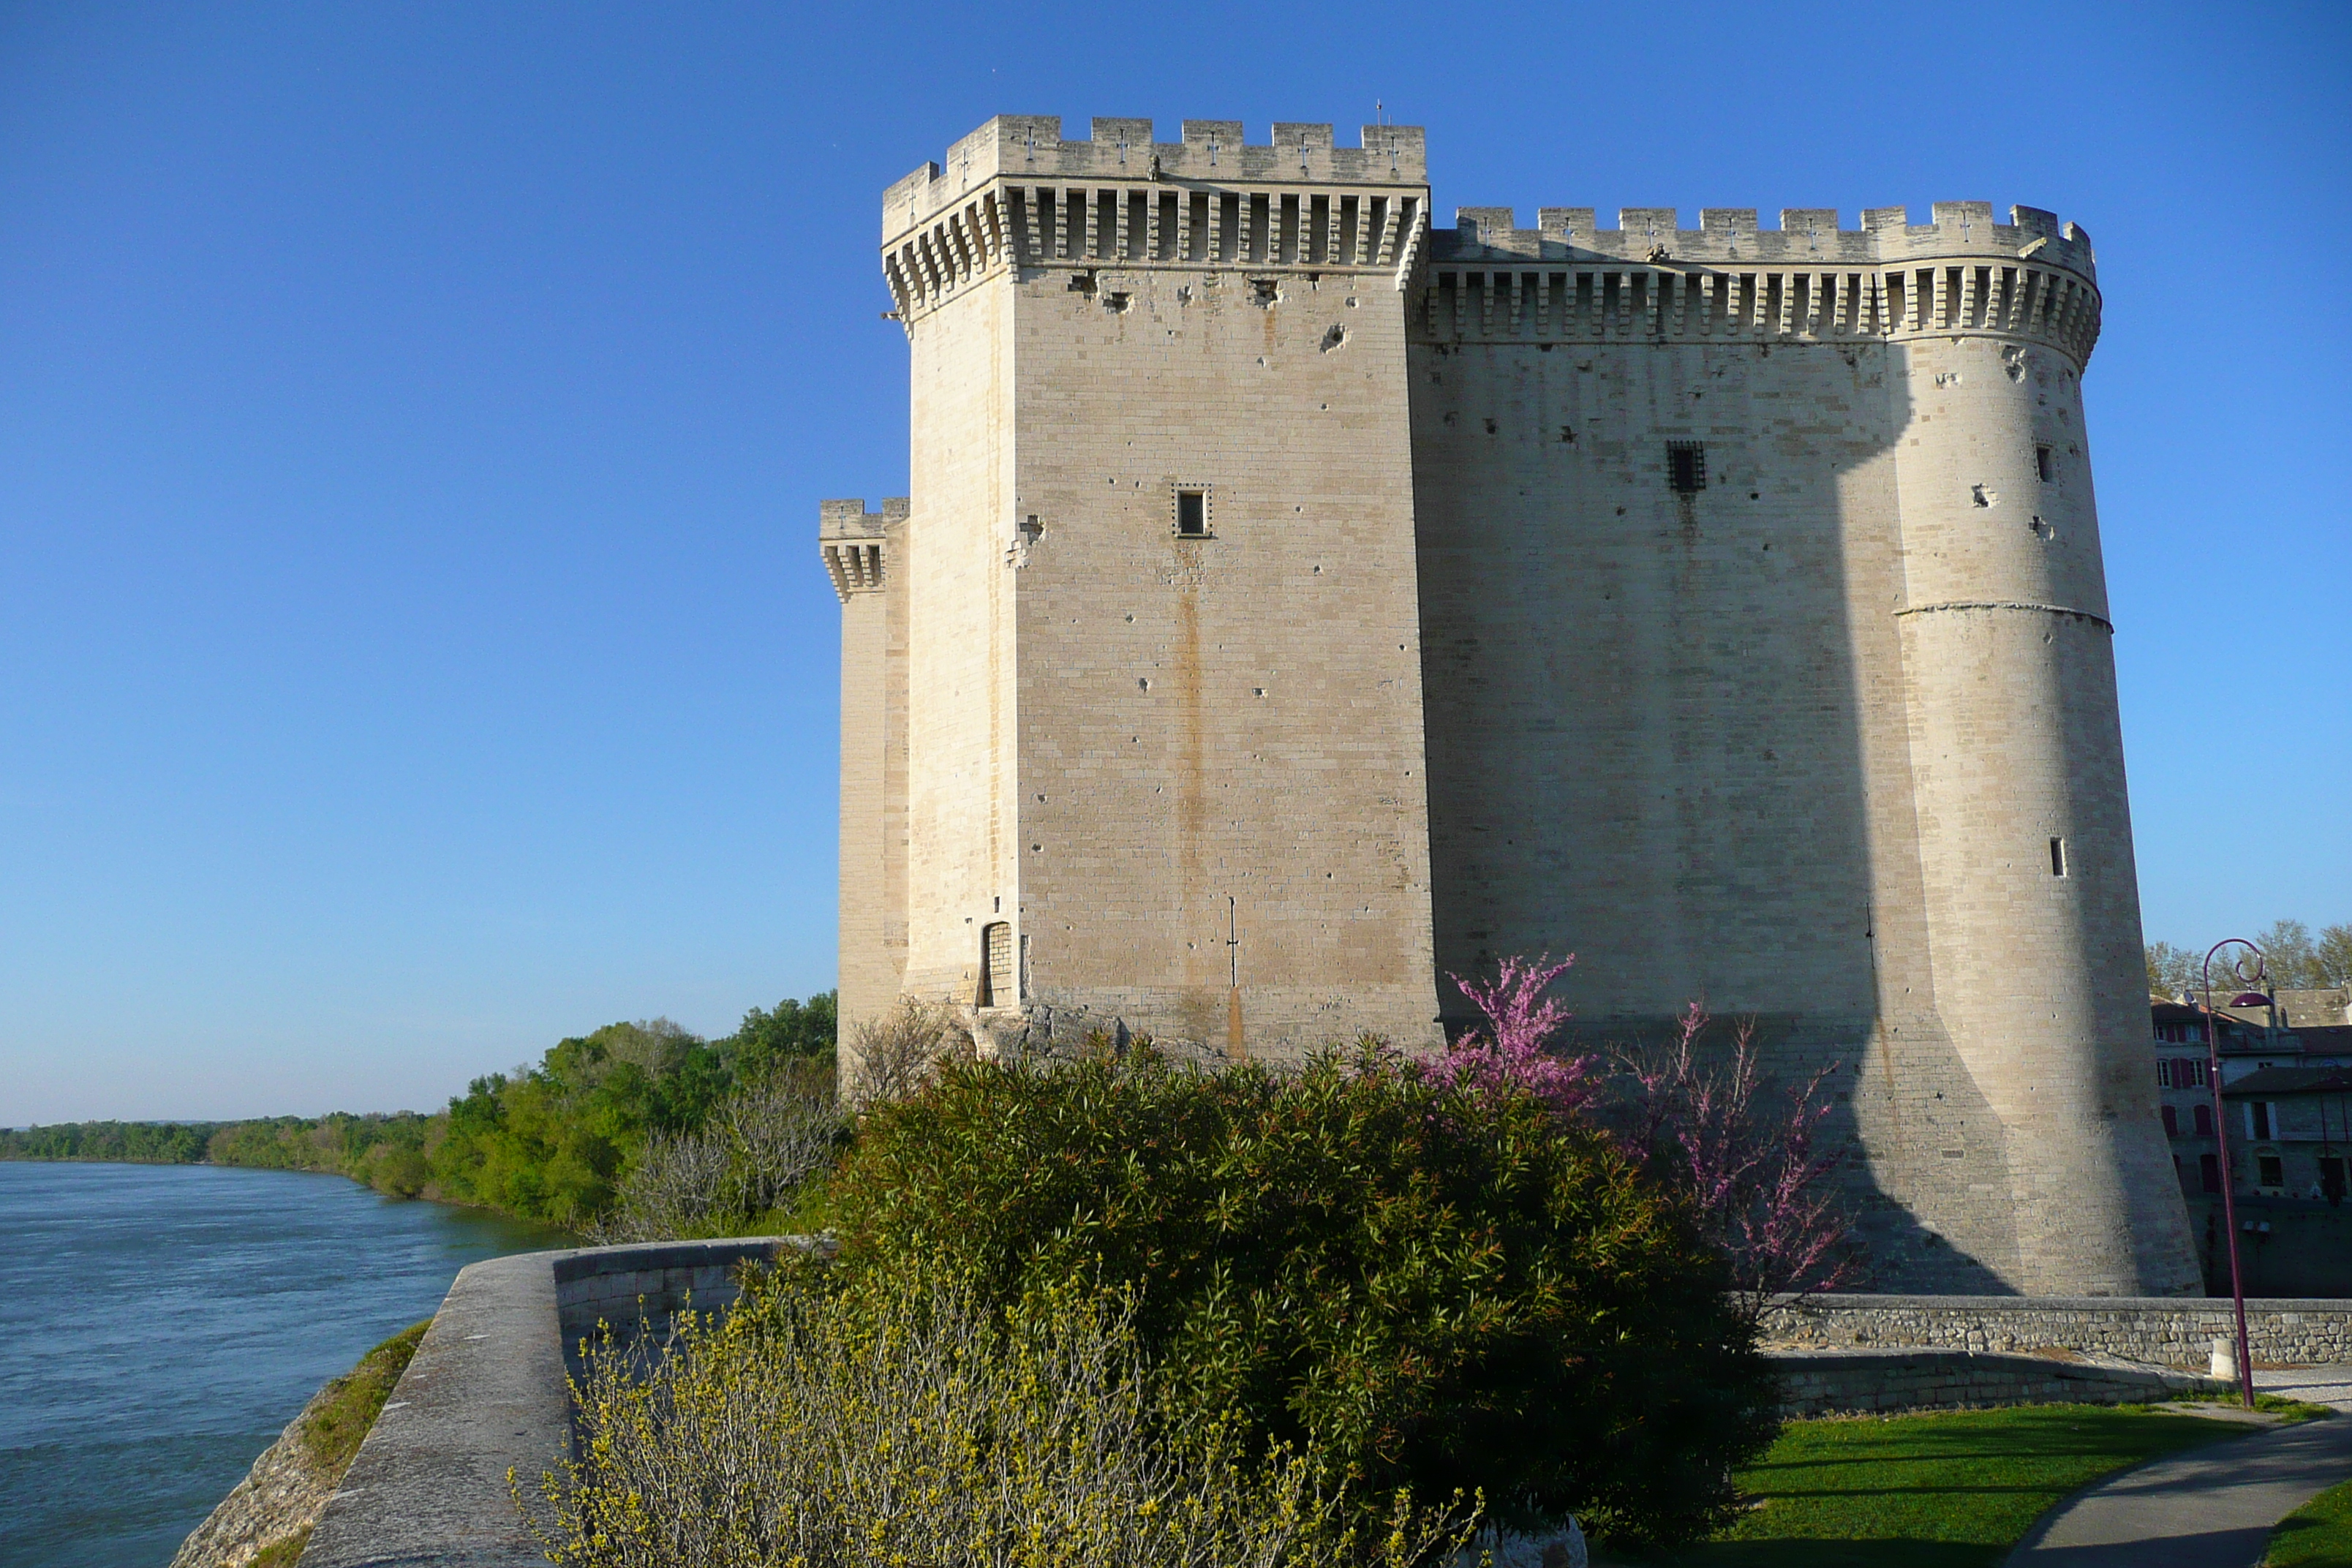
x: 1298, y: 602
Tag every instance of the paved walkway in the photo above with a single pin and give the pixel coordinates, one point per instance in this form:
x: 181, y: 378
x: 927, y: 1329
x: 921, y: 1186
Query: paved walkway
x: 2209, y: 1508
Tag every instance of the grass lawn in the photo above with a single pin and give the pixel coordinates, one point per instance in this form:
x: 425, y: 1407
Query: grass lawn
x: 2316, y: 1535
x: 1952, y: 1490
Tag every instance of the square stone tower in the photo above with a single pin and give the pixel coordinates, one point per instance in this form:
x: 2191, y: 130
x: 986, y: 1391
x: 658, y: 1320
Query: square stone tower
x: 1298, y: 604
x: 1131, y: 683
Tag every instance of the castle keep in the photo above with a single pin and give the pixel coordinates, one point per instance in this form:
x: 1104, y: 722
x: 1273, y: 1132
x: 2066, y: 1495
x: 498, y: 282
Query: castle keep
x: 1298, y: 602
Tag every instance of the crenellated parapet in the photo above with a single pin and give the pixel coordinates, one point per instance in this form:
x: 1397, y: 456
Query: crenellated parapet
x: 1733, y: 235
x: 1014, y: 194
x: 1029, y: 148
x: 852, y: 541
x: 1569, y: 280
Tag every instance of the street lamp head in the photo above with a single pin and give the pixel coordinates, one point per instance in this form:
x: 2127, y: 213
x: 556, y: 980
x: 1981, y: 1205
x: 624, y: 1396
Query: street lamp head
x: 2250, y: 999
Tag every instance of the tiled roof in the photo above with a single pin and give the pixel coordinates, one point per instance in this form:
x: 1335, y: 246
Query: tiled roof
x: 2292, y: 1081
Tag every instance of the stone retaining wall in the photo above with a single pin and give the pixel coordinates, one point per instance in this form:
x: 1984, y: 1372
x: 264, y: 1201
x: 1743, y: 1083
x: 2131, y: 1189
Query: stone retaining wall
x: 2167, y: 1330
x: 1847, y: 1381
x: 486, y: 1392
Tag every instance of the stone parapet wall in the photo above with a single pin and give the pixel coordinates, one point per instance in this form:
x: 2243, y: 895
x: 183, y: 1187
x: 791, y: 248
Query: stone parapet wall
x: 2166, y: 1331
x: 1849, y: 1382
x: 626, y: 1285
x: 486, y: 1395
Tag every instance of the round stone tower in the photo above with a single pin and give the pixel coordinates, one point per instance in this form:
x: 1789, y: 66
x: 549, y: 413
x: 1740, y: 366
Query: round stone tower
x: 2031, y: 897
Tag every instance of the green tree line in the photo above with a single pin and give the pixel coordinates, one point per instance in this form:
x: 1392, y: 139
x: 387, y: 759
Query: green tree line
x: 137, y: 1143
x: 544, y: 1142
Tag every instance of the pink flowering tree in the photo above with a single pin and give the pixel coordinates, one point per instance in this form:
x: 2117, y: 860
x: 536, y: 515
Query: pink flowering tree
x: 1750, y: 1161
x: 1516, y: 1046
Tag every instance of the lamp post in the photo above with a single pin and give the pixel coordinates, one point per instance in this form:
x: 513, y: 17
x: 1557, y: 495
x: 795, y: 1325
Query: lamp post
x: 2221, y: 1143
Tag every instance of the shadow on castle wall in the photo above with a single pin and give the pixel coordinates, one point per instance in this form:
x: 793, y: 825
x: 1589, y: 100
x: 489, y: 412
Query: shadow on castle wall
x: 1666, y: 731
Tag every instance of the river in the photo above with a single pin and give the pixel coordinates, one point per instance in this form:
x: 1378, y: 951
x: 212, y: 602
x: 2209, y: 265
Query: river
x: 160, y: 1325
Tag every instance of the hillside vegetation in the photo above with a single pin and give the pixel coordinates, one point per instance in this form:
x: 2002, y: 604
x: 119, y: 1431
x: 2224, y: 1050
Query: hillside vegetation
x: 549, y: 1142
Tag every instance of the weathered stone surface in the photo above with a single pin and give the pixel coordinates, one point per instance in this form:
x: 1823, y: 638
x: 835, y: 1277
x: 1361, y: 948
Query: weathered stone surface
x: 486, y: 1394
x: 1497, y: 1548
x: 279, y: 1498
x: 2159, y: 1331
x: 1880, y: 1383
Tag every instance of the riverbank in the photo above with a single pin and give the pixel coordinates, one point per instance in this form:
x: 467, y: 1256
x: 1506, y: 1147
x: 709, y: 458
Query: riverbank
x: 387, y: 1151
x: 266, y: 1518
x: 546, y: 1144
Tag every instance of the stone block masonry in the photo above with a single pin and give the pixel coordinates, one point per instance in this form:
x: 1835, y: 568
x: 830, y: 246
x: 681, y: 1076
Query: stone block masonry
x: 486, y: 1394
x: 1298, y: 602
x: 2162, y: 1331
x: 1882, y: 1382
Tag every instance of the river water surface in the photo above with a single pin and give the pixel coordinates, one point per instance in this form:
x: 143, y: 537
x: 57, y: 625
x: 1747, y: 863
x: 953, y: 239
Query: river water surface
x: 160, y: 1325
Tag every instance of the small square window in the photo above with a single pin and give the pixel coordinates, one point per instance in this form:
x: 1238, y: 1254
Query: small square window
x: 2271, y: 1171
x: 1192, y: 513
x: 1685, y: 467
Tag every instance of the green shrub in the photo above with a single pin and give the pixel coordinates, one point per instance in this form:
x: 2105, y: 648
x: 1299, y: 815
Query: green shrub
x: 1439, y: 1285
x: 283, y: 1553
x: 335, y: 1430
x: 828, y: 1422
x: 402, y: 1171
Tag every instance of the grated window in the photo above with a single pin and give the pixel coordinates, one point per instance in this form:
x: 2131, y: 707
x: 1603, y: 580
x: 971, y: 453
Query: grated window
x: 1685, y: 467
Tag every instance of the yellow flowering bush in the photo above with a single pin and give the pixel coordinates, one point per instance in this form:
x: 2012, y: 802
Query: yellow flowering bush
x: 883, y: 1420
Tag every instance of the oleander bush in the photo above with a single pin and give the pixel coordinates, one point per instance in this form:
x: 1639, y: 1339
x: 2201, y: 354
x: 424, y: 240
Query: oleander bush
x: 1426, y: 1280
x: 841, y: 1419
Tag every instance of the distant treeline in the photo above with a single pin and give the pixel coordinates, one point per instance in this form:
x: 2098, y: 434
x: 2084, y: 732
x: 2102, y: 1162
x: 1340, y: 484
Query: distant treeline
x: 141, y: 1142
x: 544, y: 1142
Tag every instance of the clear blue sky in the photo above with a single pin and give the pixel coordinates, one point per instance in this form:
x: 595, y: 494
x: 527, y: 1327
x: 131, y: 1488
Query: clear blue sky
x: 412, y: 421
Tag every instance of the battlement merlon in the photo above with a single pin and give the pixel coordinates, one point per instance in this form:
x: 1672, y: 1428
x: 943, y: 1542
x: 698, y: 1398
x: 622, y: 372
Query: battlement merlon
x: 1029, y: 147
x: 850, y: 539
x: 1732, y: 235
